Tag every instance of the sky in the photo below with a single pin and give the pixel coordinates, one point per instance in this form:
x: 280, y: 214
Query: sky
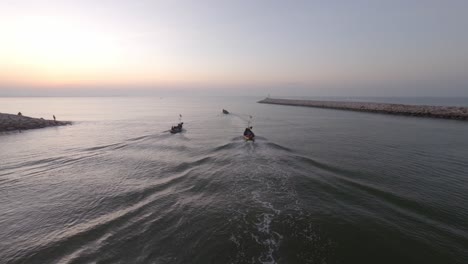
x: 322, y: 48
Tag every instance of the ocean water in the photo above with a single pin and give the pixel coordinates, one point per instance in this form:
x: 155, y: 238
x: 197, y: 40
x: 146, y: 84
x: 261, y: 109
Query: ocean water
x: 317, y: 186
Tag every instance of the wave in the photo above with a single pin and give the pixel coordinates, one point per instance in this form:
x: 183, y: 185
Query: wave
x: 162, y: 198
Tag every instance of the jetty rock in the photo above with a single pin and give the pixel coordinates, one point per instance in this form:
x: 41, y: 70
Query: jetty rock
x: 447, y: 112
x: 10, y: 122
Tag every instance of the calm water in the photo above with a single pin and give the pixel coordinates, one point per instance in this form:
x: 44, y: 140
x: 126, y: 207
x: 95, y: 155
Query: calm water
x: 318, y: 186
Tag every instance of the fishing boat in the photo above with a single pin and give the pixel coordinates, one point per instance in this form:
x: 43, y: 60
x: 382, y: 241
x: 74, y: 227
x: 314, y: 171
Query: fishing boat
x: 177, y: 129
x: 248, y: 133
x: 225, y: 111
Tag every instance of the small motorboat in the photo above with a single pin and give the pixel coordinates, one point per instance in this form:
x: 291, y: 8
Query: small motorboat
x: 225, y: 111
x: 249, y: 134
x: 177, y: 129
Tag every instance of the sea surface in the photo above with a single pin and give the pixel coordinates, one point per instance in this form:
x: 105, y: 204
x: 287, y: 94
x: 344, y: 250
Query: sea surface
x: 317, y: 186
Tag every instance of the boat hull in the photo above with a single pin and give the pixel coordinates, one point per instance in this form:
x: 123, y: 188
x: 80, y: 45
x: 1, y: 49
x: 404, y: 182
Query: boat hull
x: 249, y: 138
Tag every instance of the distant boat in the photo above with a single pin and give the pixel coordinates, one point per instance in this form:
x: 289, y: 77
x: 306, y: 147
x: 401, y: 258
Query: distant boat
x: 225, y: 111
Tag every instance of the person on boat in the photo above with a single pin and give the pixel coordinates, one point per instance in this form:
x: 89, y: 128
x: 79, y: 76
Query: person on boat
x: 251, y: 132
x: 248, y: 132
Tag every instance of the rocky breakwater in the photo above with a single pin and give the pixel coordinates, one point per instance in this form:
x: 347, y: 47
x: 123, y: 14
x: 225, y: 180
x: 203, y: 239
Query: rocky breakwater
x: 9, y: 122
x: 448, y: 112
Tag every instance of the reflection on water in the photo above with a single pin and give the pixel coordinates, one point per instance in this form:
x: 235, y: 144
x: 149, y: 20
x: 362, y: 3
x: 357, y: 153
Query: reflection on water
x: 317, y: 186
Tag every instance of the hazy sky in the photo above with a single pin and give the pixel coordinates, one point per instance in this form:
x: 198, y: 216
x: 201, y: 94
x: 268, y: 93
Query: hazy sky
x: 374, y: 48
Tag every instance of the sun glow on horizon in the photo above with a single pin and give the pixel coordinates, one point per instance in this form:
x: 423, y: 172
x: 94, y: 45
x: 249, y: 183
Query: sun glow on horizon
x: 57, y: 48
x: 57, y: 51
x: 61, y: 44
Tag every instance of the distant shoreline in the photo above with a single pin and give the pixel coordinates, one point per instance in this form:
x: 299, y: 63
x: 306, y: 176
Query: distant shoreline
x: 446, y: 112
x: 11, y: 122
